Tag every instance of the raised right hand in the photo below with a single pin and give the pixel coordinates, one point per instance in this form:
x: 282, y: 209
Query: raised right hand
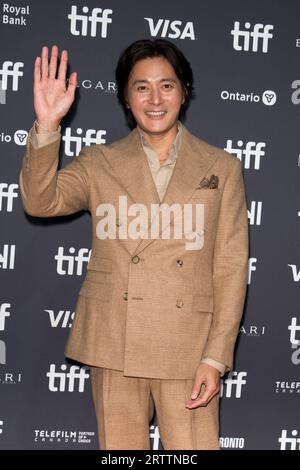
x: 52, y: 99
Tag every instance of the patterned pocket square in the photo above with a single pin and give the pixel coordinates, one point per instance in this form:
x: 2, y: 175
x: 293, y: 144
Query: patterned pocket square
x: 211, y: 183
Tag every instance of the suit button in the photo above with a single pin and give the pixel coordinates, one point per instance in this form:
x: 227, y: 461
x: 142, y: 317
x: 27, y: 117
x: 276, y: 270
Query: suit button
x: 125, y: 295
x: 179, y: 262
x: 135, y: 259
x: 179, y: 303
x: 118, y: 222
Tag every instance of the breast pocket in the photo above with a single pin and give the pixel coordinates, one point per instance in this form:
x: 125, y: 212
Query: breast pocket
x: 206, y: 195
x: 98, y: 282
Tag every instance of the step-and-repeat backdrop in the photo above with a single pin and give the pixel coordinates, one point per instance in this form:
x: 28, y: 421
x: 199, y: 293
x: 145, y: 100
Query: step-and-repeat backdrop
x: 245, y: 57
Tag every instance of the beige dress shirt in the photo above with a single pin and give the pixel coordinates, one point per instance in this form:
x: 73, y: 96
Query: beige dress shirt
x: 161, y: 175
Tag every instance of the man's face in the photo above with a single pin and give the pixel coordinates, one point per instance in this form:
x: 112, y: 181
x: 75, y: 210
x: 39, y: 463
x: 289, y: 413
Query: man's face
x: 155, y: 95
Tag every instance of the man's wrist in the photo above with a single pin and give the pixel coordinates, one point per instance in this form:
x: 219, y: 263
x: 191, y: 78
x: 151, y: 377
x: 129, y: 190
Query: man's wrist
x: 216, y: 364
x: 45, y: 127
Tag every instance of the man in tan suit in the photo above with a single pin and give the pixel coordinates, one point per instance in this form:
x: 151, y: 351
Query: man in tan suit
x: 158, y: 313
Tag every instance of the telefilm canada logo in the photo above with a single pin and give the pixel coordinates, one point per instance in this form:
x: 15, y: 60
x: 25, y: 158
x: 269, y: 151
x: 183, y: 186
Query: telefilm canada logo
x: 287, y: 387
x: 267, y: 97
x: 64, y: 436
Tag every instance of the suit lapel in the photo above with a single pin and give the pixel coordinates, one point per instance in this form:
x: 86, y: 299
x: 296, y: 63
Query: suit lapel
x: 129, y: 161
x: 132, y: 169
x: 191, y: 166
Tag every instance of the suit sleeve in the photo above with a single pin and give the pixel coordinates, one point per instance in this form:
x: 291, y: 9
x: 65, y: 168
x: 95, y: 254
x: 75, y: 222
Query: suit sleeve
x: 230, y: 269
x: 47, y: 192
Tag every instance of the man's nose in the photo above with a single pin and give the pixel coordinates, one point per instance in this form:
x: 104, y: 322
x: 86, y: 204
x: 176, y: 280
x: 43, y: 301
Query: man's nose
x: 155, y: 96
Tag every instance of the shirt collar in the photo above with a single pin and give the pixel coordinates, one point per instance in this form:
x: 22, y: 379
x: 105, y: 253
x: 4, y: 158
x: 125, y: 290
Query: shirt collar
x: 152, y: 154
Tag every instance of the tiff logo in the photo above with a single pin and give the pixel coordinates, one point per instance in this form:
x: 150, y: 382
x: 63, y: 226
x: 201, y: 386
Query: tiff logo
x: 97, y: 16
x: 235, y: 381
x: 251, y: 268
x: 171, y: 29
x: 8, y: 192
x: 66, y: 381
x: 295, y: 357
x: 251, y: 152
x: 63, y: 317
x: 296, y: 94
x: 1, y: 424
x: 254, y: 214
x: 3, y: 315
x: 293, y: 327
x: 2, y: 94
x: 10, y: 69
x: 154, y: 435
x: 296, y: 273
x: 260, y: 34
x: 66, y: 263
x: 2, y: 352
x: 91, y: 137
x: 289, y: 443
x: 7, y: 259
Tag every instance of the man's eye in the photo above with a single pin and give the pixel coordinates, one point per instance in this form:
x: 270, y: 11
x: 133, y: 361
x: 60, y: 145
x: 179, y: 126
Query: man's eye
x: 168, y: 86
x: 142, y: 88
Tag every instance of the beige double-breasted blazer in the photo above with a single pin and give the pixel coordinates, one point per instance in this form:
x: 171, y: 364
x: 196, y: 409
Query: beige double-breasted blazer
x: 150, y: 306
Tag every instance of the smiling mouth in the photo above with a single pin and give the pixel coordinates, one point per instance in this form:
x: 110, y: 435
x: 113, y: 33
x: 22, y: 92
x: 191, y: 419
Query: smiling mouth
x: 155, y: 113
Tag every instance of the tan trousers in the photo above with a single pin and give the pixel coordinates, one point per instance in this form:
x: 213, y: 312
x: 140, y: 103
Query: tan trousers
x: 125, y: 406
